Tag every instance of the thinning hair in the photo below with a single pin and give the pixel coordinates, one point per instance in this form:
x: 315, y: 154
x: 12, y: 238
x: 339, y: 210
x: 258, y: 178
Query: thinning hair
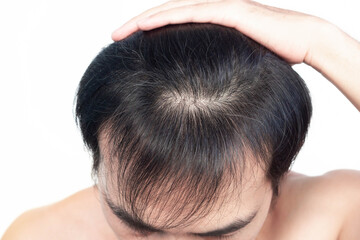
x: 183, y: 108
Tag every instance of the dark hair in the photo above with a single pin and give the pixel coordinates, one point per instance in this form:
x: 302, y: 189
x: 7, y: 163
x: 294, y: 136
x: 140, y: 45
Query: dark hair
x: 184, y: 106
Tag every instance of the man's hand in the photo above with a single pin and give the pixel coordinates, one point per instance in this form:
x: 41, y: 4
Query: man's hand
x: 295, y: 36
x: 287, y: 33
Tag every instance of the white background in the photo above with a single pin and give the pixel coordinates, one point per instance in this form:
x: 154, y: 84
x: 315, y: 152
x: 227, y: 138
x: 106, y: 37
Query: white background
x: 46, y: 47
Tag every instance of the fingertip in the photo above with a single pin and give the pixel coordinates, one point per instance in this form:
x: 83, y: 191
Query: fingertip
x: 124, y: 31
x: 116, y: 35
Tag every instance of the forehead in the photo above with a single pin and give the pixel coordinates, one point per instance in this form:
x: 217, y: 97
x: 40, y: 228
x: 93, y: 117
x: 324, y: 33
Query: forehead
x: 233, y: 199
x: 233, y: 203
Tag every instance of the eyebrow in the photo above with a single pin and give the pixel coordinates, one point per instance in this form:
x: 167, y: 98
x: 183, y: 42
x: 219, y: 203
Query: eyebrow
x: 142, y: 227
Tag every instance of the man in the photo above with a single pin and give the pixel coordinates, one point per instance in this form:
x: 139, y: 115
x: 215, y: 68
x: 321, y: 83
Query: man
x: 252, y: 205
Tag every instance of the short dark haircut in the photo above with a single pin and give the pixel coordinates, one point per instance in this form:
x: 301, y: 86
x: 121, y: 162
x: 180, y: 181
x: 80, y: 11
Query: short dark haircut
x: 184, y: 106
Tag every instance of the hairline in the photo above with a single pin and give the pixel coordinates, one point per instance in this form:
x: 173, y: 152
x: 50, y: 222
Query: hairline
x: 139, y: 225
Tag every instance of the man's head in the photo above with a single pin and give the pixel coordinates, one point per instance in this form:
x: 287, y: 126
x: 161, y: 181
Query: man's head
x: 191, y: 125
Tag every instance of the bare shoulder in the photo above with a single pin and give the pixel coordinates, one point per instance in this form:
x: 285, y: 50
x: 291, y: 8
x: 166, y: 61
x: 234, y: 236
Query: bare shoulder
x: 331, y: 200
x: 66, y: 219
x: 339, y: 188
x: 26, y: 226
x: 345, y: 186
x: 344, y: 180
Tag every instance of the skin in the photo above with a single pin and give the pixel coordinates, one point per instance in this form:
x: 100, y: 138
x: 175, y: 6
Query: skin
x: 322, y: 207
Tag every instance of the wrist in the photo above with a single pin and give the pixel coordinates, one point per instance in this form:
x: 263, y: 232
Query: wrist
x: 336, y: 55
x: 321, y: 46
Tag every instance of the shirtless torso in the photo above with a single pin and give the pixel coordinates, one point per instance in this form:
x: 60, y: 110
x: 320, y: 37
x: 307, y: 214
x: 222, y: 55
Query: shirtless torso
x: 323, y: 208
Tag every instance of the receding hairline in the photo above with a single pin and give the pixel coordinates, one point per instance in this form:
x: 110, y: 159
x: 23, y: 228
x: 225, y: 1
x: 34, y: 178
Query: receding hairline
x: 225, y: 195
x: 141, y: 226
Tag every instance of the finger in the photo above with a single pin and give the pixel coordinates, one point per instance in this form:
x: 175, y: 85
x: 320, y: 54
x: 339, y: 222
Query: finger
x: 201, y: 13
x: 131, y: 25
